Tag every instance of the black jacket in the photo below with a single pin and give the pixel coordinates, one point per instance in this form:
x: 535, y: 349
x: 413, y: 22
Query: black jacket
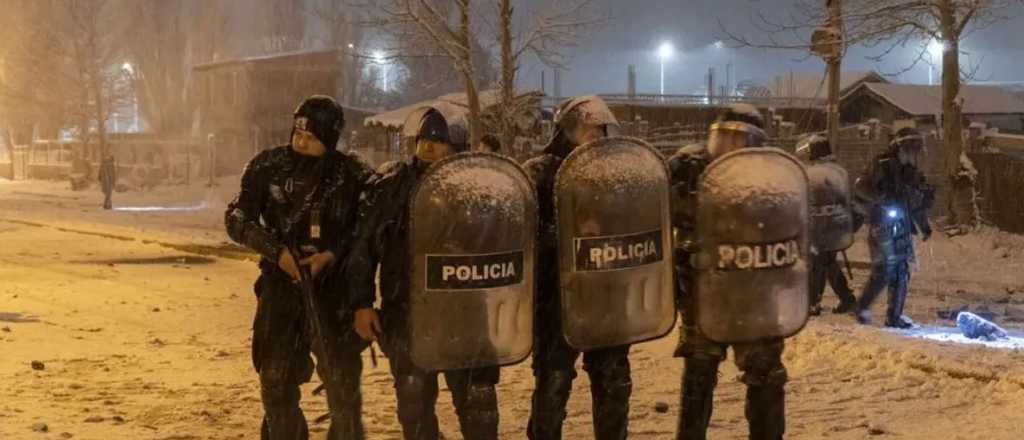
x: 542, y: 170
x: 382, y: 237
x: 282, y: 190
x: 904, y: 186
x: 685, y: 168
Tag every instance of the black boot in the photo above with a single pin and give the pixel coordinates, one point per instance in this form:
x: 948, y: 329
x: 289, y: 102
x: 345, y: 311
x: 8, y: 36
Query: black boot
x: 476, y: 402
x: 699, y: 380
x: 874, y: 286
x: 610, y: 388
x: 345, y: 404
x: 549, y: 399
x: 417, y: 395
x: 282, y: 419
x: 898, y: 288
x: 818, y: 278
x: 766, y: 411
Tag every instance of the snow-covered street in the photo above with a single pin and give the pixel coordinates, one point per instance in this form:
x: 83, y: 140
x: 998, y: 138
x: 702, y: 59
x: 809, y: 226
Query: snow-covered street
x: 141, y: 320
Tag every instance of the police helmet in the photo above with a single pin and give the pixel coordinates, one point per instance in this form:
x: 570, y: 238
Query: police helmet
x: 813, y: 147
x: 907, y: 139
x: 589, y: 109
x: 739, y: 126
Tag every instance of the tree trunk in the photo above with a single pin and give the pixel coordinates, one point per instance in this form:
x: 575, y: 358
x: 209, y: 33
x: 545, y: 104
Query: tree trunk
x: 508, y: 80
x: 469, y: 76
x: 963, y: 210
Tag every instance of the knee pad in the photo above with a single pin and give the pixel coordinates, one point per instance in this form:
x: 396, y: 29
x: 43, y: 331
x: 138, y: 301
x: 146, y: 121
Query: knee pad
x: 555, y: 384
x: 481, y: 406
x: 344, y: 393
x: 413, y: 395
x: 693, y: 344
x: 765, y: 376
x: 612, y: 375
x: 278, y: 386
x: 761, y: 364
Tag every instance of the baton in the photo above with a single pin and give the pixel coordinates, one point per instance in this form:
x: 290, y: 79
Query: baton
x: 846, y: 260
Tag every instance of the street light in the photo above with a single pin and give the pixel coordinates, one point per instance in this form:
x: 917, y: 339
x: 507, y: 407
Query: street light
x: 130, y: 70
x: 935, y: 49
x: 665, y: 52
x: 379, y: 58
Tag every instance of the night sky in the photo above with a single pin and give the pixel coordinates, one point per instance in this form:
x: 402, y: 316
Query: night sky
x: 637, y: 27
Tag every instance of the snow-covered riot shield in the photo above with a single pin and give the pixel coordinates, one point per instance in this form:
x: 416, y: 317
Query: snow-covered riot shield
x: 473, y: 226
x: 614, y: 244
x: 752, y: 228
x: 831, y: 211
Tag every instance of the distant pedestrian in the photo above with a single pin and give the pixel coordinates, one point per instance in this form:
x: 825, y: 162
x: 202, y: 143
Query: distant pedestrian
x: 108, y: 177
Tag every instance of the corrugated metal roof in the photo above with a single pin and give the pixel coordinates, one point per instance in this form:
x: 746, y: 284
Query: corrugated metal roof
x: 395, y: 118
x: 264, y: 58
x: 814, y: 85
x: 922, y: 100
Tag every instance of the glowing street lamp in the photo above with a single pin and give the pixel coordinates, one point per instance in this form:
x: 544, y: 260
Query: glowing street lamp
x: 130, y: 70
x: 665, y: 52
x: 379, y: 58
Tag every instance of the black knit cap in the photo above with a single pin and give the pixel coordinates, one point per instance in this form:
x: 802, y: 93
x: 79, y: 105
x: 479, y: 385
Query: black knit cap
x: 434, y: 127
x: 322, y: 116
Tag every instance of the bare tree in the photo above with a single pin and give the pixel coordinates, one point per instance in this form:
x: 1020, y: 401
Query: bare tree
x: 95, y: 38
x: 26, y: 60
x: 78, y: 53
x: 886, y: 25
x: 283, y: 24
x: 159, y: 63
x: 545, y: 36
x: 430, y: 28
x: 339, y: 29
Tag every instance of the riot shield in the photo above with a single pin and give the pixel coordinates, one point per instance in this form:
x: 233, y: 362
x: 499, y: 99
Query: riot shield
x: 473, y: 226
x: 614, y: 244
x: 831, y: 209
x: 752, y: 227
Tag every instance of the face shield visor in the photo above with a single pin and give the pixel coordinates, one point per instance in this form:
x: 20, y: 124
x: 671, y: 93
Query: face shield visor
x: 909, y: 148
x: 730, y: 136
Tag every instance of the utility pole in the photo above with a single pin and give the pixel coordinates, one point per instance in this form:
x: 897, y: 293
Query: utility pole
x: 827, y: 43
x: 835, y: 60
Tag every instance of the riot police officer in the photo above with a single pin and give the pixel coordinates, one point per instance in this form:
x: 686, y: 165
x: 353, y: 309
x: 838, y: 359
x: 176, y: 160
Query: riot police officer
x: 898, y: 199
x: 302, y: 197
x: 815, y: 150
x: 383, y: 238
x: 740, y: 126
x: 579, y: 121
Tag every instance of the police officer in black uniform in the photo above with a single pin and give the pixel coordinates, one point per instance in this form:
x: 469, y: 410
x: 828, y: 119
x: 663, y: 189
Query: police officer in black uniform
x: 383, y: 238
x: 898, y: 198
x: 579, y: 120
x: 824, y: 265
x: 303, y: 196
x: 740, y: 126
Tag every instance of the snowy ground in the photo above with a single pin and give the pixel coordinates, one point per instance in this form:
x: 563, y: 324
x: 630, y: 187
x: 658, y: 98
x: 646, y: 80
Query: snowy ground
x: 142, y: 320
